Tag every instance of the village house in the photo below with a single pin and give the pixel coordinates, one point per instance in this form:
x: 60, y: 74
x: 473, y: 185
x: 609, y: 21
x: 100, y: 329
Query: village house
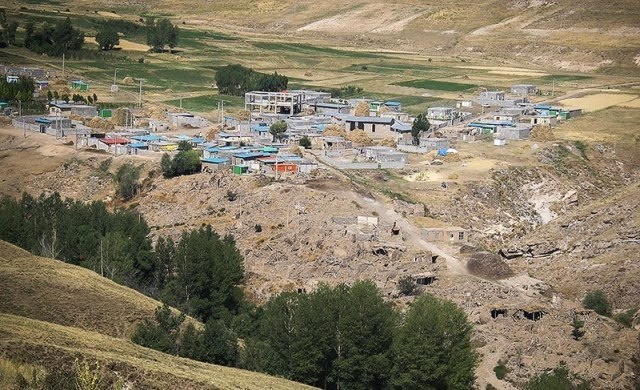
x: 516, y: 132
x: 446, y: 234
x: 66, y: 109
x: 523, y: 89
x: 440, y: 113
x: 374, y: 127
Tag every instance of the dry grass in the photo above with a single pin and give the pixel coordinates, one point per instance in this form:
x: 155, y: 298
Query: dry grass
x: 598, y: 101
x: 53, y: 291
x: 47, y: 344
x: 615, y: 124
x: 10, y: 371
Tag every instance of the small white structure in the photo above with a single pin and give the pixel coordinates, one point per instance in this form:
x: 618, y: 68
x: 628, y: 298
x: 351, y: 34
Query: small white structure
x: 499, y: 142
x: 440, y: 113
x: 523, y: 89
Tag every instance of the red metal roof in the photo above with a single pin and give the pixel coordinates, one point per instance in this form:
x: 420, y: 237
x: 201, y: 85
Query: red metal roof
x: 113, y: 141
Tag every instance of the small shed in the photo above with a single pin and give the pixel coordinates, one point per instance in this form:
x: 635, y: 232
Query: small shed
x: 240, y: 169
x: 499, y: 142
x: 79, y: 84
x: 105, y: 113
x: 12, y: 79
x: 213, y: 163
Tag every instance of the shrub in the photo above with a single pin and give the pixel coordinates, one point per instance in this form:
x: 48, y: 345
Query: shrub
x: 231, y: 196
x: 305, y: 142
x: 407, y: 286
x: 500, y: 370
x: 258, y: 228
x: 560, y: 378
x: 598, y: 302
x: 626, y: 317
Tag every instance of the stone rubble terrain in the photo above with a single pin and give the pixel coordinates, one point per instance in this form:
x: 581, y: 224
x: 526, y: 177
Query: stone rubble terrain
x: 298, y: 232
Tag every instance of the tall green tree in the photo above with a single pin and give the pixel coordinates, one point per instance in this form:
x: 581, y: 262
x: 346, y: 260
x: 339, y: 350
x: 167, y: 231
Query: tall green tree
x: 209, y: 271
x: 331, y: 338
x: 278, y: 129
x: 161, y: 334
x: 126, y: 179
x: 432, y: 349
x: 161, y: 33
x: 107, y: 38
x: 420, y: 125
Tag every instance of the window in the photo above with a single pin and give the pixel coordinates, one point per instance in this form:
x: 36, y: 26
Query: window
x: 373, y: 128
x: 360, y: 125
x: 461, y: 236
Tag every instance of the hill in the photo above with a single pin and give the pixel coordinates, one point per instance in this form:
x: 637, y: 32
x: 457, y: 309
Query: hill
x: 599, y: 243
x: 52, y: 313
x: 53, y: 291
x: 566, y: 34
x: 51, y: 345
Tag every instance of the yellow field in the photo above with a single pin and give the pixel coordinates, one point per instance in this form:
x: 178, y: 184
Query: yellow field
x: 124, y: 44
x: 598, y: 101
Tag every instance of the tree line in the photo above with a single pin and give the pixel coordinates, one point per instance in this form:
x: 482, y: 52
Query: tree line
x: 236, y: 80
x: 60, y: 37
x: 22, y: 90
x: 334, y: 337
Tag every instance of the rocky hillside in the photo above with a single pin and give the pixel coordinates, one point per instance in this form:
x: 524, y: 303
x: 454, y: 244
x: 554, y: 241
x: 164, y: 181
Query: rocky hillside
x: 565, y: 34
x: 599, y: 244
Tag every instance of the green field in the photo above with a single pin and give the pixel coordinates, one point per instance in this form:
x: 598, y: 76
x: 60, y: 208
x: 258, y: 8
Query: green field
x: 437, y: 85
x: 207, y: 103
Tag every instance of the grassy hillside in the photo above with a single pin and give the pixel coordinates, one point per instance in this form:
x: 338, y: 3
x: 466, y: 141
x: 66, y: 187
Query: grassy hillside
x: 52, y: 291
x: 50, y: 345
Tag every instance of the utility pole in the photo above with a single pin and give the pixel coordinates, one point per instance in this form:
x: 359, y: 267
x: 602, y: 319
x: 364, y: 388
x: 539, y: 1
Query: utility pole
x: 62, y: 65
x: 221, y: 109
x: 553, y: 88
x: 140, y: 97
x: 115, y: 73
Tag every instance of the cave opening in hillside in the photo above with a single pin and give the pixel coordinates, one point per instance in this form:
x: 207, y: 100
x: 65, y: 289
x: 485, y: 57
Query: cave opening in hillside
x: 495, y: 313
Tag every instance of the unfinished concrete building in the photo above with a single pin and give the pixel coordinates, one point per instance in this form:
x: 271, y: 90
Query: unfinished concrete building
x: 286, y: 102
x: 275, y: 102
x: 446, y: 234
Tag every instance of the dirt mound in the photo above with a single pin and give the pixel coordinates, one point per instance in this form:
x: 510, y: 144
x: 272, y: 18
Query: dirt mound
x: 542, y: 134
x: 99, y: 123
x: 488, y: 265
x: 359, y: 137
x: 334, y: 131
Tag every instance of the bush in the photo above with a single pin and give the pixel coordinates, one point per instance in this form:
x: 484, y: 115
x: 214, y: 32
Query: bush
x: 305, y: 142
x: 500, y: 370
x: 186, y: 162
x: 559, y: 379
x: 407, y: 286
x: 258, y: 228
x: 231, y: 196
x: 126, y: 179
x: 626, y: 317
x: 598, y: 302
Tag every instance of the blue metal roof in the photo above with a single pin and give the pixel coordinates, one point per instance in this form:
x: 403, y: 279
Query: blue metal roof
x: 214, y: 160
x: 138, y: 145
x: 42, y: 120
x: 198, y: 140
x: 260, y: 128
x: 147, y: 138
x: 248, y: 155
x: 392, y: 103
x: 212, y: 150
